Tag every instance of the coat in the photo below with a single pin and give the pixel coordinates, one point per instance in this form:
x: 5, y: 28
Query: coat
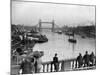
x: 26, y: 67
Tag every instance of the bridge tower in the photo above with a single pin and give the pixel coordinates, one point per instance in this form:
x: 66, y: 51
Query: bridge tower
x: 40, y: 25
x: 53, y: 23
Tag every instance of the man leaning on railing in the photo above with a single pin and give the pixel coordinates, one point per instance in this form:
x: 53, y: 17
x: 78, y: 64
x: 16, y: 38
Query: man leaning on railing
x: 55, y: 62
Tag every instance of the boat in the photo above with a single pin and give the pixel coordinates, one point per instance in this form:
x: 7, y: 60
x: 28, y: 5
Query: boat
x: 72, y: 40
x: 37, y: 35
x: 41, y: 40
x: 38, y: 38
x: 69, y: 33
x: 59, y: 32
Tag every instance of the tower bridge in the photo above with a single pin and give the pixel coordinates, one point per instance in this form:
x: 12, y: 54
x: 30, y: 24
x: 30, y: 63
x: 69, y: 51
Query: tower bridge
x: 54, y: 26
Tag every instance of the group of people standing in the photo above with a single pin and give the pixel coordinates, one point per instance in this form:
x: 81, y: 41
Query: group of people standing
x: 34, y: 64
x: 86, y: 60
x: 81, y: 61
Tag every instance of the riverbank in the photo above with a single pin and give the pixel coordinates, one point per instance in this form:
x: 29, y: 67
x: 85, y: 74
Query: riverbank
x: 84, y: 31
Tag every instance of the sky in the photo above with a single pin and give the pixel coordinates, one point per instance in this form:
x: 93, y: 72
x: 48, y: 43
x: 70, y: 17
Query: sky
x: 29, y: 13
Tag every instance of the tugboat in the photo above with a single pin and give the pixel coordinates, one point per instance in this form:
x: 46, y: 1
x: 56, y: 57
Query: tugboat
x: 72, y: 40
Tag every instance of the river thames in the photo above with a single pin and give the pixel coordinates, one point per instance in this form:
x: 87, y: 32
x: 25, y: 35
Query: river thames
x: 58, y: 43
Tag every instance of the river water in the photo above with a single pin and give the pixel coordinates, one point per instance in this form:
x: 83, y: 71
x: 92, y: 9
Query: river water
x: 58, y: 43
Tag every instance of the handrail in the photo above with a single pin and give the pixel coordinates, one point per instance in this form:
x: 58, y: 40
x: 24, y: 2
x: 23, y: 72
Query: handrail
x: 59, y: 60
x: 63, y: 65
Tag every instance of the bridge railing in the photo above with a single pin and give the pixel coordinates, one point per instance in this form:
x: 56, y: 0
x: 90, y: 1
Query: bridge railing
x: 64, y: 65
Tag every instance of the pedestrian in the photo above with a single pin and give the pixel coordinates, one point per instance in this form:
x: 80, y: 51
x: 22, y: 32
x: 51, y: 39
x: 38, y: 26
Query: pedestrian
x: 86, y: 59
x: 33, y: 66
x: 92, y: 59
x: 38, y: 65
x: 55, y: 62
x: 79, y: 60
x: 26, y: 66
x: 37, y: 60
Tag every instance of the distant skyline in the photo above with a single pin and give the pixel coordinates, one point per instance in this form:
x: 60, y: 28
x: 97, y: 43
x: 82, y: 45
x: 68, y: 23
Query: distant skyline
x: 29, y: 13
